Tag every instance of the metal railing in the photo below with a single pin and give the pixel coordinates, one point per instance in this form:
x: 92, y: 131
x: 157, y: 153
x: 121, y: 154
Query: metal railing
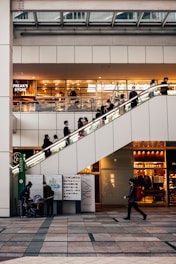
x: 93, y: 126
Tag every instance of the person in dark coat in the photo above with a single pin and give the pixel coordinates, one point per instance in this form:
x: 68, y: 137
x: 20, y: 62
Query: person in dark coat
x: 66, y: 132
x: 164, y: 88
x: 24, y: 198
x: 48, y: 195
x: 110, y: 105
x: 132, y: 200
x: 133, y: 94
x: 47, y: 143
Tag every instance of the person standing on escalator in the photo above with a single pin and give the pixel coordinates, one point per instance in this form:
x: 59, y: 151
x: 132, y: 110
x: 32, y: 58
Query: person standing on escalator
x: 164, y: 87
x: 133, y: 94
x: 47, y: 143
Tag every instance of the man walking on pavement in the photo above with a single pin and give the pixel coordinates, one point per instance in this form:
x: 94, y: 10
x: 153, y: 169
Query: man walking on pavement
x: 132, y: 200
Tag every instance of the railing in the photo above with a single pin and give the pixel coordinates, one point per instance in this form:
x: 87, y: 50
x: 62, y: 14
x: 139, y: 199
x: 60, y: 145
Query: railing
x: 61, y: 104
x: 93, y: 126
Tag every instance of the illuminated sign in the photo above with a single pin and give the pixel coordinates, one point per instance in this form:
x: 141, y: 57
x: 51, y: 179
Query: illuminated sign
x: 20, y: 87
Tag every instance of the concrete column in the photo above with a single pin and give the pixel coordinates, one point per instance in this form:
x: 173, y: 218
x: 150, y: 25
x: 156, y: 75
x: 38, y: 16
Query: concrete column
x: 5, y: 105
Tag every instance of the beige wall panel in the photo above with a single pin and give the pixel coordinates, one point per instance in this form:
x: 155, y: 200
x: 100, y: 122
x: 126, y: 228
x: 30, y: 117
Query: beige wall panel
x: 118, y: 54
x: 5, y: 193
x: 5, y: 71
x: 136, y: 54
x: 101, y: 54
x: 47, y: 54
x: 5, y: 124
x: 158, y: 118
x: 29, y: 121
x: 83, y: 54
x: 16, y: 138
x: 30, y: 54
x: 65, y: 54
x: 4, y: 22
x: 17, y: 54
x: 88, y: 144
x: 140, y: 123
x: 29, y: 138
x: 170, y: 54
x: 50, y: 165
x: 171, y: 113
x: 47, y: 121
x: 154, y: 54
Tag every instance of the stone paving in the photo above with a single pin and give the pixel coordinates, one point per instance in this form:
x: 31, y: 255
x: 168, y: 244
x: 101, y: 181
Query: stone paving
x: 93, y: 235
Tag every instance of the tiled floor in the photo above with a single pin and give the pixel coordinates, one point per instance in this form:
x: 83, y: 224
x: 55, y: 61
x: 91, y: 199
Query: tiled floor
x: 102, y: 237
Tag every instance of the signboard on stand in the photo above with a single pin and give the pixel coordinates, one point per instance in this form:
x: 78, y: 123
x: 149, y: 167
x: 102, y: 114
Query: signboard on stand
x: 87, y: 193
x: 72, y: 187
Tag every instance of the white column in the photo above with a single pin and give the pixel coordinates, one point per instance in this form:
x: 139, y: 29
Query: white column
x: 5, y: 106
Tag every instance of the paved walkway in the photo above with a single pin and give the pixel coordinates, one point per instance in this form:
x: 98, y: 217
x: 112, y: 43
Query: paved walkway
x: 102, y: 237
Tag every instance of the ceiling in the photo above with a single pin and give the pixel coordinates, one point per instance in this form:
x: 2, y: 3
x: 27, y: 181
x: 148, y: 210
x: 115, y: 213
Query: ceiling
x: 80, y: 22
x: 93, y: 71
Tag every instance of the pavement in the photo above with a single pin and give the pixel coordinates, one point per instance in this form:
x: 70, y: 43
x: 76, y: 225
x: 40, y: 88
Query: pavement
x: 96, y: 238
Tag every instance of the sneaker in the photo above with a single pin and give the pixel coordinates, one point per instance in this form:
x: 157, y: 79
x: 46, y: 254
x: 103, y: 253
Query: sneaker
x: 145, y: 216
x: 126, y: 218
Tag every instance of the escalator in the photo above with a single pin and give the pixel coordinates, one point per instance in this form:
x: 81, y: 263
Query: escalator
x: 150, y: 120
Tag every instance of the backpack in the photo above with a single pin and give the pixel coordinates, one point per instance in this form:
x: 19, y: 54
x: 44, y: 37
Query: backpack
x: 138, y: 193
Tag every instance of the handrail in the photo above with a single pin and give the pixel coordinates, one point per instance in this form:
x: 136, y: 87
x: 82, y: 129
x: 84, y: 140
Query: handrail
x: 91, y: 127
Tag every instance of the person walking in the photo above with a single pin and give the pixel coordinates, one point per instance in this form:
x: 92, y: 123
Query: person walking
x: 24, y: 198
x: 48, y: 195
x: 132, y: 200
x: 133, y: 94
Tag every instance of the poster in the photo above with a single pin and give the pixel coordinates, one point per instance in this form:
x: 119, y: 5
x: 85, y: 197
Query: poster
x: 72, y: 187
x: 37, y: 184
x: 55, y: 181
x: 87, y: 193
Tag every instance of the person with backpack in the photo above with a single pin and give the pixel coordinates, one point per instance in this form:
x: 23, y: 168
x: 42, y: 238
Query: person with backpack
x: 48, y: 195
x: 132, y: 200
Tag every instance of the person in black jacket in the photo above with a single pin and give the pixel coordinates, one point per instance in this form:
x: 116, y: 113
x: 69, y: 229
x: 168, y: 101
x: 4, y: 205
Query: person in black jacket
x: 48, y: 195
x: 133, y: 94
x: 47, y: 143
x: 164, y: 88
x: 66, y: 132
x: 24, y: 198
x: 132, y: 200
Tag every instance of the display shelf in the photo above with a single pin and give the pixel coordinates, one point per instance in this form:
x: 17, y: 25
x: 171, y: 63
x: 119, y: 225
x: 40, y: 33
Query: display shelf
x: 149, y: 165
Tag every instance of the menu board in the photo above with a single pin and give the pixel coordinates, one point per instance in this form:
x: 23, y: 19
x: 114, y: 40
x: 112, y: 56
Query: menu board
x: 72, y: 187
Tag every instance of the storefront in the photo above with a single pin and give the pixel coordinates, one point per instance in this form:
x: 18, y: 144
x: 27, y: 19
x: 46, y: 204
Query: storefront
x: 56, y: 95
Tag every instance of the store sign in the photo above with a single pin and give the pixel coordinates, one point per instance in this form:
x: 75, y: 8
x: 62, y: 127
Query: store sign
x: 20, y: 87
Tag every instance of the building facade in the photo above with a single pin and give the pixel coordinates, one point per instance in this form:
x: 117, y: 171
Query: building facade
x: 101, y: 41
